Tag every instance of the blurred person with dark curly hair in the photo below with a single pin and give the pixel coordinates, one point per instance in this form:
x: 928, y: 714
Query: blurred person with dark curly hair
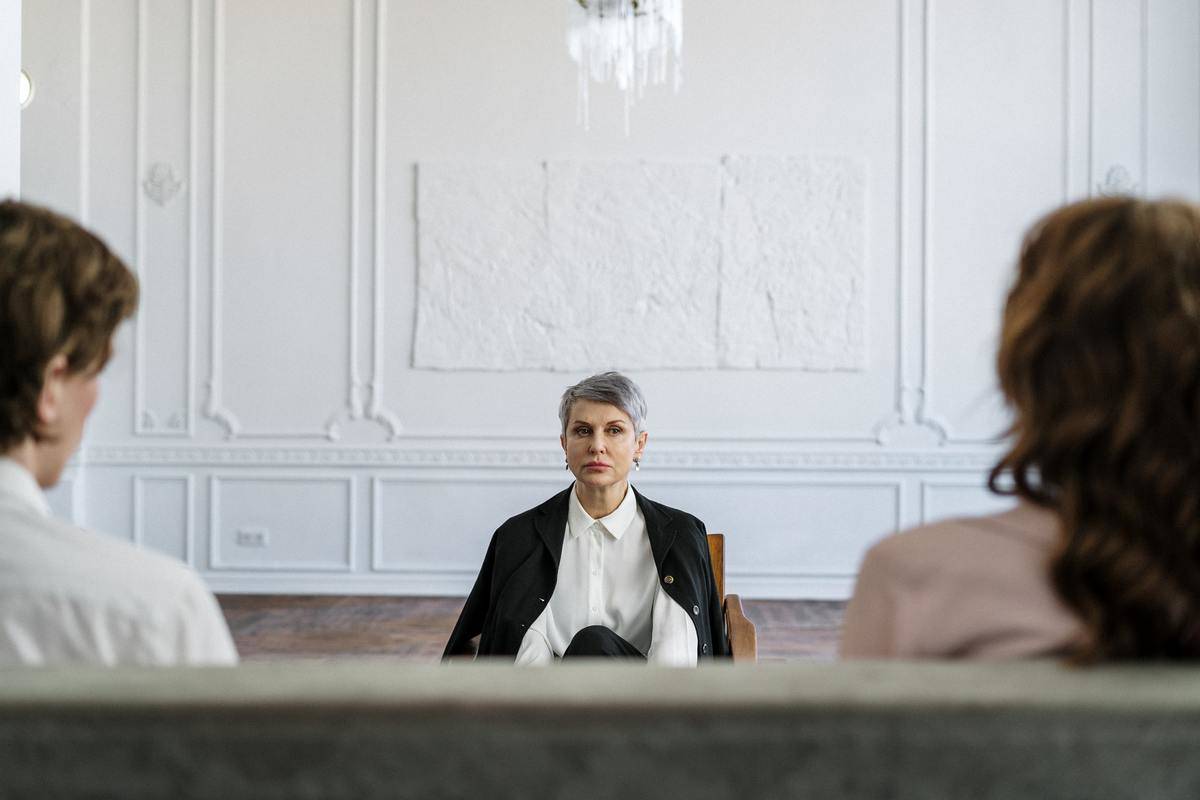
x: 1099, y: 360
x: 70, y: 596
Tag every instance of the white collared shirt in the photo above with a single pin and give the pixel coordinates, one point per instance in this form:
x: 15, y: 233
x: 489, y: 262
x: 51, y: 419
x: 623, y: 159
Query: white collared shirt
x: 71, y: 596
x: 606, y: 576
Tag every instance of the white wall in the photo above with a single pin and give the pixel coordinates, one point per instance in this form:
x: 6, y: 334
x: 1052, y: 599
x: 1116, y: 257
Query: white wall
x: 10, y: 110
x: 260, y: 164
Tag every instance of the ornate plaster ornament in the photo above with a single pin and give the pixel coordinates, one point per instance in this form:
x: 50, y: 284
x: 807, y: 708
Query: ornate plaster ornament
x: 160, y: 184
x: 1117, y: 182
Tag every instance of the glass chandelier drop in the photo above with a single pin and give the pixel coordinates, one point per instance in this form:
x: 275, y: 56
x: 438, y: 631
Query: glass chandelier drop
x: 629, y: 42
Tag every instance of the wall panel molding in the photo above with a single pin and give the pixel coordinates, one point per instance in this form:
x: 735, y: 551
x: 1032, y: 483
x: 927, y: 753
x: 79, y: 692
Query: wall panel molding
x: 85, y: 130
x: 909, y: 423
x: 219, y: 562
x: 930, y: 488
x: 140, y: 485
x: 1119, y: 96
x: 536, y: 458
x: 150, y: 422
x: 377, y: 410
x: 924, y: 396
x: 435, y: 567
x: 783, y: 580
x: 216, y: 408
x: 284, y: 125
x: 1078, y: 100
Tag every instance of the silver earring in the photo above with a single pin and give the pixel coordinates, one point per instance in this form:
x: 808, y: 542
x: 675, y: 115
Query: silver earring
x: 637, y: 464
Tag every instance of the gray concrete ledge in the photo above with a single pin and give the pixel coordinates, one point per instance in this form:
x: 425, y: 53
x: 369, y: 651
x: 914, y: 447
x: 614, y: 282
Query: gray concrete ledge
x: 379, y: 729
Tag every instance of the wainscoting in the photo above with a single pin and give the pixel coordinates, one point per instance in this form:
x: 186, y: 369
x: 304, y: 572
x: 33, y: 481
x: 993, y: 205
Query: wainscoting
x: 374, y: 246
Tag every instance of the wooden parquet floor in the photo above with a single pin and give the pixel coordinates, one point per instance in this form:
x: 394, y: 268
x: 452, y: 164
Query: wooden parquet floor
x: 272, y: 627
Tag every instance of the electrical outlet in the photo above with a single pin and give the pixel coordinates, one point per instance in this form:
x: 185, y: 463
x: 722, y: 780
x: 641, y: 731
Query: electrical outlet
x: 252, y: 537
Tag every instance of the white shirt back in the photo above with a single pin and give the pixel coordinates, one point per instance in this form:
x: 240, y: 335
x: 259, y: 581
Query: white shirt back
x: 606, y: 576
x: 70, y: 596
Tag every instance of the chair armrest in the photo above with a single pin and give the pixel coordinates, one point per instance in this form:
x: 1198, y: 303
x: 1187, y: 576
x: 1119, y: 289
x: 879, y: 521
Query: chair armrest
x: 743, y: 638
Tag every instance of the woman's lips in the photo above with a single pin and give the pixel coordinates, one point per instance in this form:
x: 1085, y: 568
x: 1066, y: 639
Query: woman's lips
x: 595, y: 465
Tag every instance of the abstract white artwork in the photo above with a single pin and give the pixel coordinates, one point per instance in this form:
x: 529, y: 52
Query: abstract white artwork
x: 794, y: 264
x: 568, y: 266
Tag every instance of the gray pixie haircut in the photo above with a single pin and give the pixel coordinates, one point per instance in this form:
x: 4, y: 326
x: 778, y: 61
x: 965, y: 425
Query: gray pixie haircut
x: 607, y: 387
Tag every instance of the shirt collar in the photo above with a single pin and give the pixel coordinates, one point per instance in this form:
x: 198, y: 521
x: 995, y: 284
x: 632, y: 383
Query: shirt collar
x: 616, y: 523
x: 17, y: 482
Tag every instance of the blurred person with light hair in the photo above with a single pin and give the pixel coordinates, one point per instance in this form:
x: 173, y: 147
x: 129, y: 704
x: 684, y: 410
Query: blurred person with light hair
x: 67, y: 595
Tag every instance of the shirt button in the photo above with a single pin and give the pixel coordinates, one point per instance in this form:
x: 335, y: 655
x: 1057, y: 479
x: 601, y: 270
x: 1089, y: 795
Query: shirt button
x: 696, y: 610
x: 669, y: 579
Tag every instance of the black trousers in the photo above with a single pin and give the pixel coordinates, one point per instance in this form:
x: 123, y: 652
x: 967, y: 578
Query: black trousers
x: 597, y: 640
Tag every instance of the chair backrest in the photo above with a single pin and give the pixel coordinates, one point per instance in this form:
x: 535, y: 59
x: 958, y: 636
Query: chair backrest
x: 716, y: 549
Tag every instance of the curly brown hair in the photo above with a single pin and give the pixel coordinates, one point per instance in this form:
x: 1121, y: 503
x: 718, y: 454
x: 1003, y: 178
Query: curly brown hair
x: 61, y: 291
x: 1100, y: 361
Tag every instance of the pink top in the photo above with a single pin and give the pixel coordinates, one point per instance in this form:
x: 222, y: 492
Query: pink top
x: 973, y: 587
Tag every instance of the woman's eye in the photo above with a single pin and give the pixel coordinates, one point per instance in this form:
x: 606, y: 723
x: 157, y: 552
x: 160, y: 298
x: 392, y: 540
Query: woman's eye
x: 615, y: 431
x: 582, y: 432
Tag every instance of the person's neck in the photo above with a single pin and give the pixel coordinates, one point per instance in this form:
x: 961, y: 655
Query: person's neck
x: 28, y: 456
x: 600, y: 501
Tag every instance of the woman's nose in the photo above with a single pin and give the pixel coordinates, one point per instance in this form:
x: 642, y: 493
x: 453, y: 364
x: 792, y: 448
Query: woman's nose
x: 596, y: 445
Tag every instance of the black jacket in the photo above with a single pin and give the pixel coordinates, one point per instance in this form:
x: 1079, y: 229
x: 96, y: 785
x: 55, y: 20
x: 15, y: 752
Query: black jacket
x: 520, y: 571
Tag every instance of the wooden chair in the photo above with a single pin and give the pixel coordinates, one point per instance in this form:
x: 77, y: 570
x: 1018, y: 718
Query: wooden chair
x: 743, y: 638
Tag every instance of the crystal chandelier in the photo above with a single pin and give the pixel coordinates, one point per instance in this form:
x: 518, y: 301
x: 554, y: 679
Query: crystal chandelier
x: 629, y: 42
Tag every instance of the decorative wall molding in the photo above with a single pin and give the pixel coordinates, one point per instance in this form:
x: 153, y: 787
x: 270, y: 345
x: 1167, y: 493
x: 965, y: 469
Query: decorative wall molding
x: 1117, y: 182
x: 1077, y: 98
x: 215, y: 408
x: 928, y: 488
x: 215, y: 558
x: 380, y: 564
x: 354, y: 392
x: 908, y: 422
x: 1144, y: 100
x: 159, y: 183
x: 895, y: 487
x: 139, y: 515
x: 915, y: 422
x: 377, y: 411
x: 530, y: 458
x: 85, y: 130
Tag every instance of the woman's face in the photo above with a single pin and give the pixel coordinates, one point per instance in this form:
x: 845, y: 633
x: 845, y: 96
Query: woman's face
x: 600, y: 444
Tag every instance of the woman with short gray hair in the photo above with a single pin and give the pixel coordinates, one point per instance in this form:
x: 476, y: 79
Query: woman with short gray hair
x: 598, y: 569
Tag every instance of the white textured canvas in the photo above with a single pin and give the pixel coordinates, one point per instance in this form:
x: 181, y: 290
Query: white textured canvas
x: 756, y: 262
x: 794, y: 269
x: 640, y: 243
x: 484, y: 254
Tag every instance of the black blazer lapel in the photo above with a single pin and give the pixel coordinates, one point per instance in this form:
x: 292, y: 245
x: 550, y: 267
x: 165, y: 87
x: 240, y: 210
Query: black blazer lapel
x: 550, y: 522
x: 660, y: 529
